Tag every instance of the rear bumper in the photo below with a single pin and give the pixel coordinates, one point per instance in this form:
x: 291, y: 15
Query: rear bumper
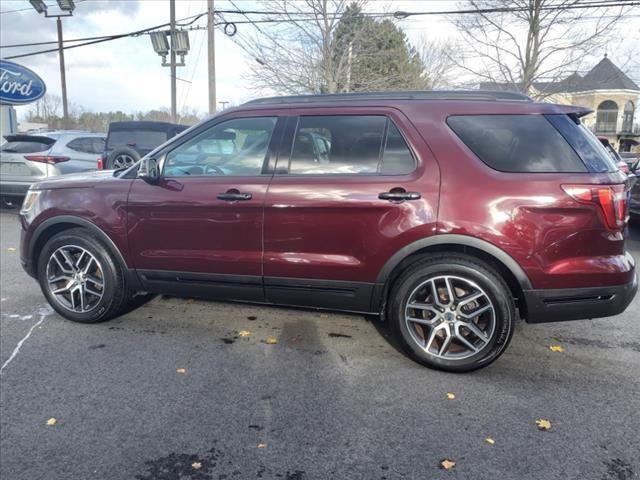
x: 557, y: 305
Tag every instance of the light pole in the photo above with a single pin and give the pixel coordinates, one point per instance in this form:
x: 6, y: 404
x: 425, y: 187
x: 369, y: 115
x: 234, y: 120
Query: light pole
x: 211, y: 56
x: 66, y: 6
x: 179, y: 46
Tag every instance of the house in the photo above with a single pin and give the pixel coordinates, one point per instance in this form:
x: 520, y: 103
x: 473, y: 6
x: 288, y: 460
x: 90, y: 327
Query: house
x: 605, y: 89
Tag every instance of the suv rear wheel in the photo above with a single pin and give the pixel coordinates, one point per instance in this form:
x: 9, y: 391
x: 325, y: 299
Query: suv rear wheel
x: 452, y: 312
x: 80, y: 278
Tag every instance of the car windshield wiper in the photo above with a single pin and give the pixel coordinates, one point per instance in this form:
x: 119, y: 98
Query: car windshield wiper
x: 9, y: 150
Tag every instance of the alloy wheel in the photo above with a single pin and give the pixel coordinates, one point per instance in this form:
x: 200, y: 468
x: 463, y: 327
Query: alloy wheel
x: 123, y: 161
x: 450, y: 317
x: 75, y: 278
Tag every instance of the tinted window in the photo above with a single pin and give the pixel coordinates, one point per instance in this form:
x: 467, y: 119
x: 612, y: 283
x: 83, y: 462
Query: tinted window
x: 25, y: 147
x: 87, y: 145
x: 349, y: 144
x: 591, y: 150
x: 517, y: 143
x: 397, y: 158
x: 234, y: 147
x: 139, y: 139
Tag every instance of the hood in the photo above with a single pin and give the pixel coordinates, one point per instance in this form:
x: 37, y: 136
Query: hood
x: 75, y: 180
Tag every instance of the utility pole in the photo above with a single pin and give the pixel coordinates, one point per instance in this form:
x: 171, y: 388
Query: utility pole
x: 172, y: 19
x: 63, y: 77
x: 66, y: 7
x: 211, y: 57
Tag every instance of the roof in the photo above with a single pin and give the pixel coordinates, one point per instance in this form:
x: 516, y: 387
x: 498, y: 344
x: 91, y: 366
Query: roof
x: 145, y: 125
x: 500, y: 95
x: 604, y: 76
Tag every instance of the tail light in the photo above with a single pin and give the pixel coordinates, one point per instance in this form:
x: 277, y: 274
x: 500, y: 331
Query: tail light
x: 613, y: 201
x: 100, y: 163
x: 50, y: 159
x: 623, y: 167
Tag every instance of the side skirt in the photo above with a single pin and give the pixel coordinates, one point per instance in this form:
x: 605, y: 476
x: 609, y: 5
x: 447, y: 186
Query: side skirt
x: 295, y: 292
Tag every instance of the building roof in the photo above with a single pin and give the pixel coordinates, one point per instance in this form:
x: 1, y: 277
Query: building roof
x: 604, y: 76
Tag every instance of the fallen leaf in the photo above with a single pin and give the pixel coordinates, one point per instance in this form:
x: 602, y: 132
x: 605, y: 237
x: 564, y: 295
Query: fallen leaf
x: 244, y: 333
x: 447, y: 464
x: 262, y: 445
x: 181, y: 370
x: 490, y: 440
x: 556, y: 348
x: 543, y: 424
x: 11, y: 249
x: 451, y: 396
x: 190, y: 300
x: 196, y: 465
x: 51, y: 422
x: 271, y: 340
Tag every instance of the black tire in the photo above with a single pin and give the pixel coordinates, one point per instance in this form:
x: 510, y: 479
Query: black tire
x: 462, y: 268
x: 113, y: 160
x: 115, y: 295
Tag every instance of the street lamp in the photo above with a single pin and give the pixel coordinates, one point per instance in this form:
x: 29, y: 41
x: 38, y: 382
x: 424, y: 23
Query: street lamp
x: 179, y: 45
x: 160, y: 45
x: 66, y: 6
x: 39, y: 5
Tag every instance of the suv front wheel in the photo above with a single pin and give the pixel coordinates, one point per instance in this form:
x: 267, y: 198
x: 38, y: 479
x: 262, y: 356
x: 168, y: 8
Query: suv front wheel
x: 80, y: 278
x: 452, y: 312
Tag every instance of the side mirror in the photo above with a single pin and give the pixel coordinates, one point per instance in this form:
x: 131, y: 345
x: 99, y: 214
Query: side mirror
x: 149, y: 171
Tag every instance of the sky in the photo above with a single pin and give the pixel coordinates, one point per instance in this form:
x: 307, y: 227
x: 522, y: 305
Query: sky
x: 127, y: 75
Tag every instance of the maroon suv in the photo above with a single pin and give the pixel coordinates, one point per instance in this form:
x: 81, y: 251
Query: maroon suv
x: 449, y: 214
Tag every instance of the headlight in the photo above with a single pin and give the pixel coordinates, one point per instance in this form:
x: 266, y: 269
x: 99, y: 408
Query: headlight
x: 29, y: 201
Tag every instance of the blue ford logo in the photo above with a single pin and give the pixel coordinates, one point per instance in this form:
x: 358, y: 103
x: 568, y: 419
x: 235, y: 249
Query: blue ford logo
x: 19, y: 85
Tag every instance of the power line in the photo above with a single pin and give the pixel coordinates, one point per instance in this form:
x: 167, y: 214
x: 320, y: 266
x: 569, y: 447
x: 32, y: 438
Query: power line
x: 193, y: 18
x: 398, y: 15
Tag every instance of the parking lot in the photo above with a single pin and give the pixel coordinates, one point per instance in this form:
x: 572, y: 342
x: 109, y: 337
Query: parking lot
x: 173, y: 391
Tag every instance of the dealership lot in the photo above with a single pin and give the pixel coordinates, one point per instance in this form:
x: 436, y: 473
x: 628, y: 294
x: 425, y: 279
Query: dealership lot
x: 173, y: 391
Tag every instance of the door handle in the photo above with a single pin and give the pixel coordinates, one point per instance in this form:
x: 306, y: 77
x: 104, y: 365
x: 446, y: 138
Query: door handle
x: 233, y: 197
x: 399, y: 196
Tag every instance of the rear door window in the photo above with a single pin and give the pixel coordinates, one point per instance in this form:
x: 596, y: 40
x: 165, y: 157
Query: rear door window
x: 517, y: 143
x: 349, y: 145
x: 87, y: 144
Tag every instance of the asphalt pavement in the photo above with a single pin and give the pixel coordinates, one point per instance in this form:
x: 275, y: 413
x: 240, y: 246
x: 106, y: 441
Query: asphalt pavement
x: 173, y: 391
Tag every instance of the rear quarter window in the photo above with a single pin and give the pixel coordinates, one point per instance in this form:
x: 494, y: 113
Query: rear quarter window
x: 517, y: 143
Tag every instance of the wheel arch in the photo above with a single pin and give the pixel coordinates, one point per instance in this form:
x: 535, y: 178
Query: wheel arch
x: 511, y: 271
x: 52, y: 226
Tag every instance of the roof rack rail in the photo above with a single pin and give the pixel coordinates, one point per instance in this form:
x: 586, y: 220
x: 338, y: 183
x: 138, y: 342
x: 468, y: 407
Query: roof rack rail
x: 406, y: 95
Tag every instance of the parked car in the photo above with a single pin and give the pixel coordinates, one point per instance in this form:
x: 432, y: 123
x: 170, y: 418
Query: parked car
x: 25, y: 159
x: 127, y: 142
x: 448, y: 214
x: 620, y: 163
x: 632, y: 159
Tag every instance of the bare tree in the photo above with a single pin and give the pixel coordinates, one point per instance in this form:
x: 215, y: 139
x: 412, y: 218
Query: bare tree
x: 46, y: 109
x: 297, y: 54
x: 532, y: 41
x: 439, y: 68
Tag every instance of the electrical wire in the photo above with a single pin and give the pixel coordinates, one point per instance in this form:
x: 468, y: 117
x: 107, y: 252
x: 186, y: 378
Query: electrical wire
x: 400, y: 15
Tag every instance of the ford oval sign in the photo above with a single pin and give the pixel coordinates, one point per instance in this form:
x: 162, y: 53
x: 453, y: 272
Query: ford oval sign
x: 19, y: 85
